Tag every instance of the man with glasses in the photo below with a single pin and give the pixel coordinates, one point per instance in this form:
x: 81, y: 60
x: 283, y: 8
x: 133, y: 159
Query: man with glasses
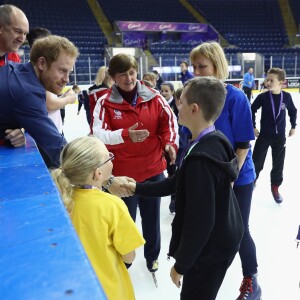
x: 14, y: 27
x: 13, y: 30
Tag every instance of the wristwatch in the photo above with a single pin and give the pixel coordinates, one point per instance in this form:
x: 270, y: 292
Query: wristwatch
x: 109, y: 182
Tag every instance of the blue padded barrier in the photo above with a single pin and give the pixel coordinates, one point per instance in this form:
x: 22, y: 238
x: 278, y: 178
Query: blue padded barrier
x: 41, y: 256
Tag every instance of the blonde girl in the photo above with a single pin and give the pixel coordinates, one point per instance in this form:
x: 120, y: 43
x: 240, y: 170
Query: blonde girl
x: 101, y: 220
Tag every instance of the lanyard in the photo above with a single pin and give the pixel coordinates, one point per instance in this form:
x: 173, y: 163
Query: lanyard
x: 4, y: 57
x: 273, y: 108
x: 190, y: 146
x: 133, y: 103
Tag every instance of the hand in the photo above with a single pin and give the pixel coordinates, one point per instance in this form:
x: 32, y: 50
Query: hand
x: 175, y: 277
x: 117, y: 189
x: 137, y: 136
x: 71, y: 98
x: 67, y: 92
x: 16, y: 137
x: 130, y: 185
x: 292, y: 132
x: 256, y: 132
x: 172, y: 153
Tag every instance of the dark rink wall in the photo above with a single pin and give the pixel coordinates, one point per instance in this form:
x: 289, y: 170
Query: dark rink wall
x: 40, y: 254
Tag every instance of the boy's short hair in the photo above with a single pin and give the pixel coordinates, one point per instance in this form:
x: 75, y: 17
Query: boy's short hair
x: 279, y: 72
x: 209, y: 93
x: 51, y: 47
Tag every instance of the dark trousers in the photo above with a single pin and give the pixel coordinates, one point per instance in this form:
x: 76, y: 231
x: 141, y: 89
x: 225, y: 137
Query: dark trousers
x: 150, y: 215
x: 63, y: 114
x: 260, y: 151
x: 203, y: 282
x: 248, y: 92
x: 171, y: 170
x: 79, y: 106
x: 247, y: 249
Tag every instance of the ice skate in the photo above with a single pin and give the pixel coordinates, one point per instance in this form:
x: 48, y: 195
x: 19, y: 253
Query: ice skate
x: 277, y: 197
x: 250, y: 289
x: 298, y: 238
x: 153, y: 267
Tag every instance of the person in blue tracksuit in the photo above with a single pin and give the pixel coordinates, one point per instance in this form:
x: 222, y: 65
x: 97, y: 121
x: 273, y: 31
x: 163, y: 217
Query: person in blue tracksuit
x: 185, y: 73
x: 23, y: 93
x: 249, y: 83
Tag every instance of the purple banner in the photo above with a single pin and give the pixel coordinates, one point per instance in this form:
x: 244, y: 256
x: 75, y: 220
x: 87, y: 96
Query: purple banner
x: 134, y: 39
x: 161, y: 26
x: 194, y: 38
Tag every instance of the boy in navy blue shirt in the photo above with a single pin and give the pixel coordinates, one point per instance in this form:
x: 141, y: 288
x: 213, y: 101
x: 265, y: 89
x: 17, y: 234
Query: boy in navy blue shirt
x: 273, y: 104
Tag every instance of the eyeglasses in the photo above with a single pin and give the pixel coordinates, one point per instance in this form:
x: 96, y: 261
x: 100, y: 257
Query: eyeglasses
x: 111, y: 156
x: 17, y: 31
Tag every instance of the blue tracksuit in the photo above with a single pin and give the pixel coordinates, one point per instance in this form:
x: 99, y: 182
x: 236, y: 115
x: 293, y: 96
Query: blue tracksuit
x: 23, y: 105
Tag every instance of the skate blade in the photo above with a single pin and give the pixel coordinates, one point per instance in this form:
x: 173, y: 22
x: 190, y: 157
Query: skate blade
x: 154, y: 279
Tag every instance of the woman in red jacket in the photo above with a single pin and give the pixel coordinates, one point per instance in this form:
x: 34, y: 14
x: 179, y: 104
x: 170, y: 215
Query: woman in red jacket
x: 140, y: 128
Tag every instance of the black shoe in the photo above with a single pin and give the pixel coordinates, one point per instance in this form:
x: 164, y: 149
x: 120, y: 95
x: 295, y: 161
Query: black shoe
x: 277, y: 197
x: 152, y: 266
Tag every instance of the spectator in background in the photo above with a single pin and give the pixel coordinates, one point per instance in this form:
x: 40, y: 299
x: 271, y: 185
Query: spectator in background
x: 102, y: 83
x: 159, y: 80
x: 13, y: 29
x: 185, y: 73
x: 28, y: 82
x: 248, y: 83
x: 78, y: 92
x: 151, y: 78
x: 208, y: 59
x: 138, y: 126
x: 167, y: 90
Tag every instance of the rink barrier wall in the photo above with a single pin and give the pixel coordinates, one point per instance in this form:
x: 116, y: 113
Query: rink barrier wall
x: 291, y: 84
x: 41, y: 256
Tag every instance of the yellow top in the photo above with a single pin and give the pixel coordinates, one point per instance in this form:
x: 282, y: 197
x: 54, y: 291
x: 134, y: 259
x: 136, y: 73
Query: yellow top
x: 106, y: 231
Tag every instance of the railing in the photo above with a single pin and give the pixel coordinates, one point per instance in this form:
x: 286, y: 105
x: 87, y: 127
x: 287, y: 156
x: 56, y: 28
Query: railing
x: 86, y: 66
x: 41, y: 256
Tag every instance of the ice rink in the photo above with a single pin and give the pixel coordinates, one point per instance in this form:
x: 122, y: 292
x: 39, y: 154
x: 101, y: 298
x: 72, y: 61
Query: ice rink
x: 273, y: 227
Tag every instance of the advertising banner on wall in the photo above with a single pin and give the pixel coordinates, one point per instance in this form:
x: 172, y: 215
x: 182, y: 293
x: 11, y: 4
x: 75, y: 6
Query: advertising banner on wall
x: 161, y: 26
x: 134, y: 39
